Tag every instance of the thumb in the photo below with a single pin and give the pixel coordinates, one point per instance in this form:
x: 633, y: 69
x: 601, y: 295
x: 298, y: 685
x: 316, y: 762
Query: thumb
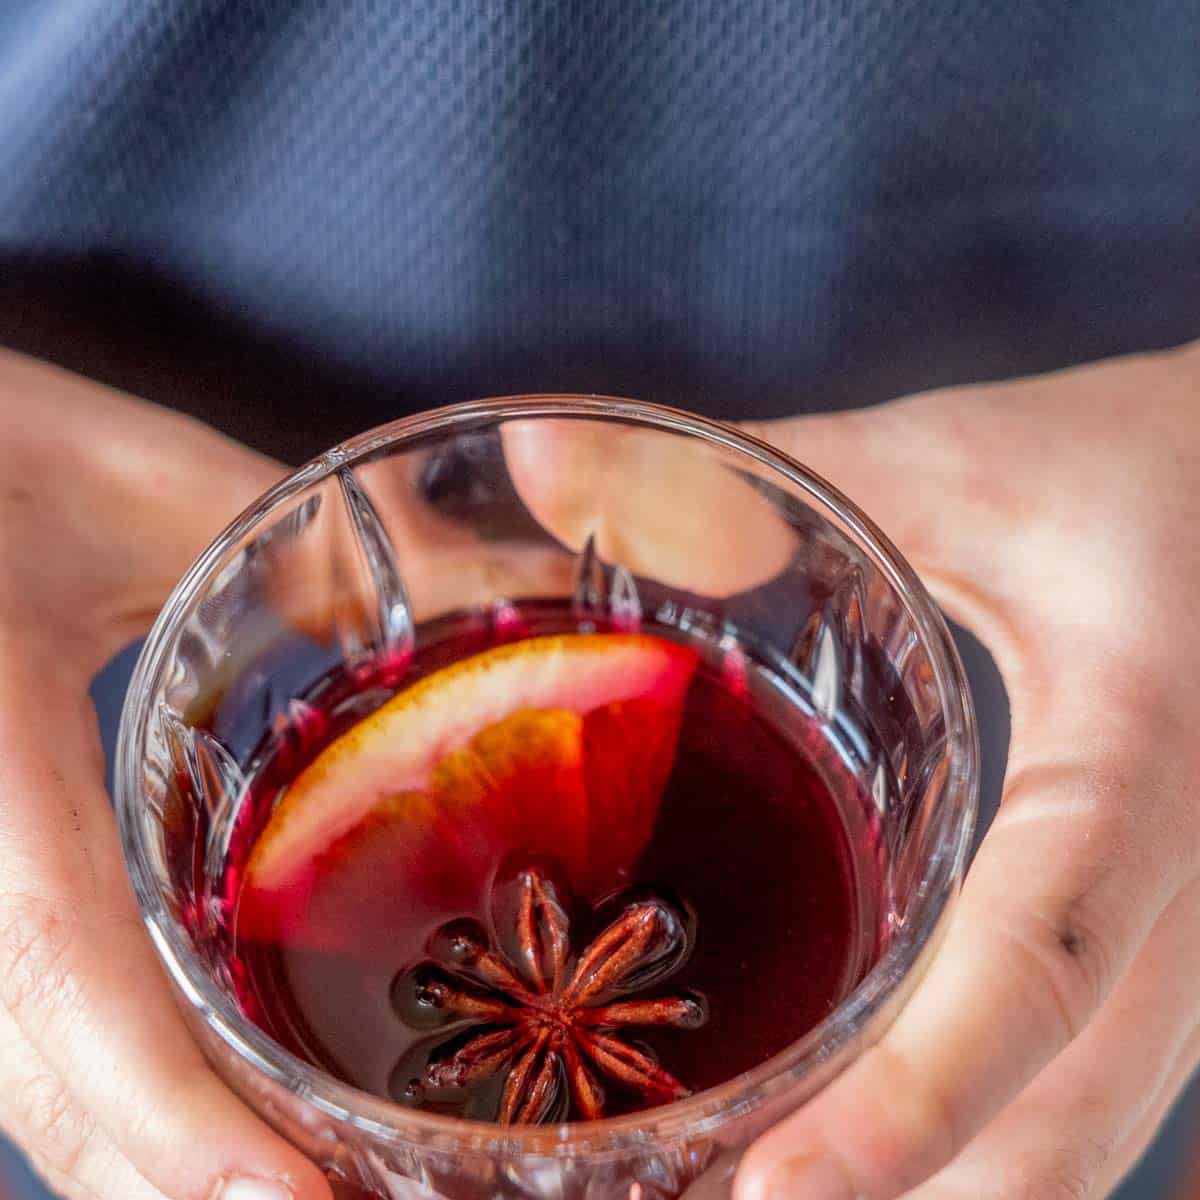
x: 666, y: 507
x: 79, y: 982
x: 655, y: 503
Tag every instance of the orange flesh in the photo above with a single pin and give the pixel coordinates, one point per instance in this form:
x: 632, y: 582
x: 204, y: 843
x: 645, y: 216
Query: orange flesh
x: 554, y: 745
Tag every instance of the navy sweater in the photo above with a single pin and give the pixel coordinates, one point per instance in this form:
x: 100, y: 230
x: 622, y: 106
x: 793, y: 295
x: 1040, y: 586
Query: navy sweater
x: 300, y: 218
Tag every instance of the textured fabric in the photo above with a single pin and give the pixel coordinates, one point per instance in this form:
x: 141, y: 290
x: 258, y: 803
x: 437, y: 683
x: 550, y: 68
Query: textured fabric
x: 322, y: 214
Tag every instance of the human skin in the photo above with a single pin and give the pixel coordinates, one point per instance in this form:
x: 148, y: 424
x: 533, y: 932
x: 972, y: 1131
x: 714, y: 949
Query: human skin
x: 1054, y: 516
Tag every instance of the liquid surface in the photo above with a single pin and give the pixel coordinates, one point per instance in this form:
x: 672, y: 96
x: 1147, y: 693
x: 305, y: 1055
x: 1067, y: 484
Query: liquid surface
x: 749, y: 847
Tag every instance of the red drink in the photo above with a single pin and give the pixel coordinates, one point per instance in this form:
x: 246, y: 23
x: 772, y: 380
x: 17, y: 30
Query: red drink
x: 570, y: 878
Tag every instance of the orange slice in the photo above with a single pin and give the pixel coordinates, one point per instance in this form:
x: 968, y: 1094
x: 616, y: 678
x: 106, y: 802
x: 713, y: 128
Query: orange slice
x: 554, y: 745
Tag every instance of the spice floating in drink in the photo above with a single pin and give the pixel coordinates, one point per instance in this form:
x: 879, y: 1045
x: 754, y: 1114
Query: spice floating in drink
x: 550, y: 1020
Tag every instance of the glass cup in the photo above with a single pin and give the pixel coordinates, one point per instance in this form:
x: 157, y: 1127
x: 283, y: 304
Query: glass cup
x: 630, y: 513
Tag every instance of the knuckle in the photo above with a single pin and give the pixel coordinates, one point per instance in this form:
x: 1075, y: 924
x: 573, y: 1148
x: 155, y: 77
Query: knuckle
x: 1063, y: 962
x: 1059, y: 1187
x: 53, y: 1126
x: 1082, y: 966
x: 36, y: 941
x: 1072, y: 1178
x: 61, y: 1185
x: 146, y: 1125
x: 175, y: 1100
x: 913, y: 1130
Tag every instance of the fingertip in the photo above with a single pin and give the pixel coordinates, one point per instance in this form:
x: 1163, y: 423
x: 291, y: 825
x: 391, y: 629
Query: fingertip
x: 312, y: 1183
x: 272, y: 1169
x: 750, y: 1183
x: 307, y: 1181
x: 302, y: 1181
x: 758, y: 1168
x: 205, y: 1142
x: 621, y: 492
x: 248, y: 1187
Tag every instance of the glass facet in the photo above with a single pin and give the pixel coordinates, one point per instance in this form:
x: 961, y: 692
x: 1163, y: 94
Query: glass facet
x: 632, y: 514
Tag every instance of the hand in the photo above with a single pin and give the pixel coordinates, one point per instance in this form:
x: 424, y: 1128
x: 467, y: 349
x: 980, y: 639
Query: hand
x: 1056, y: 517
x: 103, y: 1086
x: 104, y: 501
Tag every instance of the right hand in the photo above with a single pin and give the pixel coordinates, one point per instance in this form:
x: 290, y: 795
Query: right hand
x: 104, y: 501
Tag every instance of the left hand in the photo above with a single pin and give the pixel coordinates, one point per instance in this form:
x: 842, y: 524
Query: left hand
x: 1057, y: 518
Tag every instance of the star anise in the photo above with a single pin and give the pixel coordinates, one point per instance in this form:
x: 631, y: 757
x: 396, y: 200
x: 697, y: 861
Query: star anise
x: 548, y: 1019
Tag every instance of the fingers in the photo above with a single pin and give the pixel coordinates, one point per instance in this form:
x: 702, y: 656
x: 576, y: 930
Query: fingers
x: 650, y: 502
x: 1052, y: 913
x: 1089, y: 1115
x: 79, y: 980
x: 65, y: 1145
x: 89, y: 997
x: 1095, y: 835
x: 107, y: 501
x: 1097, y: 830
x: 1129, y: 1152
x: 447, y: 563
x: 100, y: 1173
x: 1134, y: 1149
x: 1070, y: 1169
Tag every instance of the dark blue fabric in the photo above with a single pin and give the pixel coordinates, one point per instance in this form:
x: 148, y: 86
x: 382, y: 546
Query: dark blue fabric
x: 303, y: 217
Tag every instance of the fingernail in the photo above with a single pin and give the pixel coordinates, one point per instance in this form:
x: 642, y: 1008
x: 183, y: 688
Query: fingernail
x: 245, y: 1188
x: 809, y: 1179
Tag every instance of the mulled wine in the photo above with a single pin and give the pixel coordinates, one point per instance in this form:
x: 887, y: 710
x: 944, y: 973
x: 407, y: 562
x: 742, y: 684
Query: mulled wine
x: 548, y: 872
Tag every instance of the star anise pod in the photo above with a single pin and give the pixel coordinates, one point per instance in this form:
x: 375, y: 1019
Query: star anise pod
x: 548, y: 1019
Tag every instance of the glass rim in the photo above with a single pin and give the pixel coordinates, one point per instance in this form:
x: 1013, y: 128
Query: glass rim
x: 859, y: 1016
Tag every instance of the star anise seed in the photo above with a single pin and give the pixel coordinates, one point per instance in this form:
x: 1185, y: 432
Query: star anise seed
x: 553, y: 1027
